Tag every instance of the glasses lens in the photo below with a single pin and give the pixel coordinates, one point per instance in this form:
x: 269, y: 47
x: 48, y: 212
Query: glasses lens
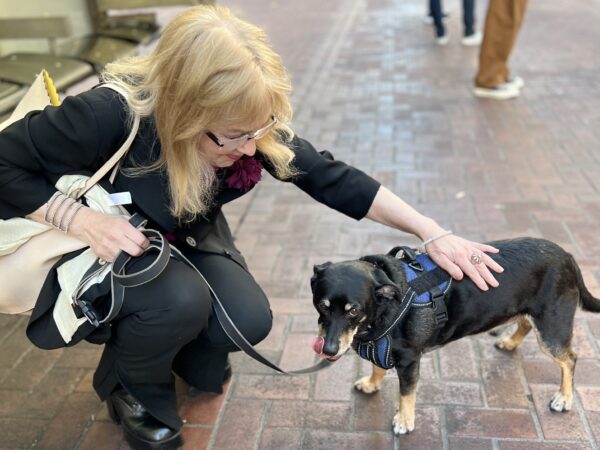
x: 231, y: 144
x: 228, y: 145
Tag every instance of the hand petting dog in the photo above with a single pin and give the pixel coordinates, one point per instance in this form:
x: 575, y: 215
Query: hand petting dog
x: 455, y: 255
x: 459, y: 256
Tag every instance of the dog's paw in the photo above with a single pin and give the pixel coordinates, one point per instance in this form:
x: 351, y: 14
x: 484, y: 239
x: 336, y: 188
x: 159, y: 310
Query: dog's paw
x: 366, y: 385
x: 402, y: 424
x: 560, y: 403
x: 506, y: 344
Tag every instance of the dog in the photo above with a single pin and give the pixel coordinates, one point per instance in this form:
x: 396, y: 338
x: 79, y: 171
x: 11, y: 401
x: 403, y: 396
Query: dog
x: 540, y: 288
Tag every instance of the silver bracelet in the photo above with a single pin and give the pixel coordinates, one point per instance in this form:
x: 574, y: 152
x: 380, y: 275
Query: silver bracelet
x: 71, y: 215
x: 55, y: 207
x: 434, y: 238
x: 49, y: 204
x: 68, y: 204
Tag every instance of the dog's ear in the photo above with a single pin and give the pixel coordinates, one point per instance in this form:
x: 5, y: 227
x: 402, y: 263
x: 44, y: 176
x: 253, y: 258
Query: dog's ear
x: 386, y: 292
x: 319, y: 268
x: 376, y: 260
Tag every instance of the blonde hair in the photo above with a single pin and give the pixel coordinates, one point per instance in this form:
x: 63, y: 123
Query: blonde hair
x: 209, y: 70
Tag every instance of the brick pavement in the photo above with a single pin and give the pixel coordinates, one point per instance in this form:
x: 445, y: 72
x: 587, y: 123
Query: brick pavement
x: 372, y: 86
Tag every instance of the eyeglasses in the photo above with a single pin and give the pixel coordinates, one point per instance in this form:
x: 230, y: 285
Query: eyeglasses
x: 228, y: 145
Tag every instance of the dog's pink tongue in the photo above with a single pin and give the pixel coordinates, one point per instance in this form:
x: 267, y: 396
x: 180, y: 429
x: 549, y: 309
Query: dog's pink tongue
x: 317, y: 344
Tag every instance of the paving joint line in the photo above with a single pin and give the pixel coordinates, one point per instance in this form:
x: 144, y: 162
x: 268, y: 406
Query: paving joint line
x: 215, y: 430
x: 530, y: 403
x: 321, y: 61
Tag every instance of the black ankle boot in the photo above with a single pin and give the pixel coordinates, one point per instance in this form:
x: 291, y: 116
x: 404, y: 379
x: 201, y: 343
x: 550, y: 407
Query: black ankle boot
x: 228, y: 372
x: 142, y: 431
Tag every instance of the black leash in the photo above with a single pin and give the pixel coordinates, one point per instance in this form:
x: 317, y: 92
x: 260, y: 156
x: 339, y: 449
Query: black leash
x: 120, y: 280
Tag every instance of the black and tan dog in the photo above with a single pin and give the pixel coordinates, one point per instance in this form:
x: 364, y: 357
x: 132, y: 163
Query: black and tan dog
x: 540, y: 288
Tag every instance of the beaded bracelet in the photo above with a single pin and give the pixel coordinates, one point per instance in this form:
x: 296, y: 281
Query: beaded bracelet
x: 434, y: 238
x: 74, y: 209
x: 50, y: 203
x: 55, y: 207
x: 68, y: 203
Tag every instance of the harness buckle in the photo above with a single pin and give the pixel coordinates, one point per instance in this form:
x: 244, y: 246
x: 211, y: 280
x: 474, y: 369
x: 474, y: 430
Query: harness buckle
x: 440, y: 310
x: 416, y: 265
x: 407, y: 255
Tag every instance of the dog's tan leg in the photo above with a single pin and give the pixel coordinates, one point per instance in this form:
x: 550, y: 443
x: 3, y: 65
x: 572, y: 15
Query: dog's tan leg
x: 512, y: 342
x: 404, y: 420
x: 562, y: 401
x: 371, y: 383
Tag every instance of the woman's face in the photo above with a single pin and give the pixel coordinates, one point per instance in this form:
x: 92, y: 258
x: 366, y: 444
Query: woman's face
x: 223, y: 147
x: 218, y: 157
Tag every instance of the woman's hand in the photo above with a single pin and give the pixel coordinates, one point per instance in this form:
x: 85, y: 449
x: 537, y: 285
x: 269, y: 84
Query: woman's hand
x: 458, y: 256
x: 455, y: 255
x: 107, y: 235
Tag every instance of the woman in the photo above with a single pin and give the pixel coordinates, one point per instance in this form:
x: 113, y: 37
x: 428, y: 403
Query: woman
x: 213, y: 98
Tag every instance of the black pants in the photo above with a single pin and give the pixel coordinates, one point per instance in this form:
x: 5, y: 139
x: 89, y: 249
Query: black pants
x: 167, y: 325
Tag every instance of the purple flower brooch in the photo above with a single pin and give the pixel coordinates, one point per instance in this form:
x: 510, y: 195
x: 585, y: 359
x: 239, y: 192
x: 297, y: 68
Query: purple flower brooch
x: 245, y: 173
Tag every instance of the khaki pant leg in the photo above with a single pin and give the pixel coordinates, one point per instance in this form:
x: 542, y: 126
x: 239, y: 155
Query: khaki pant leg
x: 502, y: 23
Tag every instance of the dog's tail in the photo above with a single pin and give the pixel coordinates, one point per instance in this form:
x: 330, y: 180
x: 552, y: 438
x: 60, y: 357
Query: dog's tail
x: 587, y: 300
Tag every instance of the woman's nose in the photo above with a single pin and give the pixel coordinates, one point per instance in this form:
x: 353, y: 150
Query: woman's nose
x: 248, y: 148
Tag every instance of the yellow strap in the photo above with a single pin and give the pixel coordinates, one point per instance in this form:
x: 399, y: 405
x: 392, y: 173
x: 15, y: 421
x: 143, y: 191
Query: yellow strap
x: 52, y: 94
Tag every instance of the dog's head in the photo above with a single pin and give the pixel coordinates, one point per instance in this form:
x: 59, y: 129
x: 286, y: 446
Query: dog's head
x: 348, y: 297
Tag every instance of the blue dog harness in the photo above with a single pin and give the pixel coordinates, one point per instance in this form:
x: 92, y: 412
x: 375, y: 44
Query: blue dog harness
x: 428, y: 284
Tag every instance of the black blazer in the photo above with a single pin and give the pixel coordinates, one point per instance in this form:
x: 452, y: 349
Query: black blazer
x: 84, y: 132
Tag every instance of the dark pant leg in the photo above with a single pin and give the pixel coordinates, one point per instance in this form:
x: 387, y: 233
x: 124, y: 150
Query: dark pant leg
x: 201, y: 363
x: 435, y: 7
x: 157, y: 319
x: 469, y: 17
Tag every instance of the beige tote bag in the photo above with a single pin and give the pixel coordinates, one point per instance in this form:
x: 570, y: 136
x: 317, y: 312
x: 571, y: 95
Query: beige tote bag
x: 29, y: 249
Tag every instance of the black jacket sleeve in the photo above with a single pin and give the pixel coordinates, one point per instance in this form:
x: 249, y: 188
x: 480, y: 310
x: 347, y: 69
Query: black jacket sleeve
x: 76, y: 137
x: 333, y: 183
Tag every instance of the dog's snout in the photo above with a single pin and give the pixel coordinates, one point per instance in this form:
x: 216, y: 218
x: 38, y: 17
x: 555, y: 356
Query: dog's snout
x: 331, y: 347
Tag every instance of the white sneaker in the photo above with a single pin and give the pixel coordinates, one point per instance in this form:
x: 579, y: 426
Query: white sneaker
x: 442, y: 40
x: 472, y: 40
x: 515, y: 81
x: 500, y: 92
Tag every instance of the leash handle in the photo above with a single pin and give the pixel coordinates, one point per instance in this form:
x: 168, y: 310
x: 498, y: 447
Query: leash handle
x: 120, y: 281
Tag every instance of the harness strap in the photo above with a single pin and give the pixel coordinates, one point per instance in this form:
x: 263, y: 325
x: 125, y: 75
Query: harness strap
x: 425, y: 280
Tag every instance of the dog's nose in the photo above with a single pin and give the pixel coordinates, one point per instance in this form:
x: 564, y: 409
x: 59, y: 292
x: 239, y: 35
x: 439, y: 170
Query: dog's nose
x: 331, y: 347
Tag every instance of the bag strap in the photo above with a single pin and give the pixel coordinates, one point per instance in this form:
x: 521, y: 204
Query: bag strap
x: 114, y: 159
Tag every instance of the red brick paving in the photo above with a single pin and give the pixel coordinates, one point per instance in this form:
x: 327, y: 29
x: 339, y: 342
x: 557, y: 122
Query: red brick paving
x: 372, y: 86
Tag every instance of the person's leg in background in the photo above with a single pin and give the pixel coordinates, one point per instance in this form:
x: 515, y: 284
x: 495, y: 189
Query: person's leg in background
x: 203, y: 362
x: 135, y: 372
x: 502, y: 24
x: 471, y: 37
x: 441, y: 36
x: 428, y: 19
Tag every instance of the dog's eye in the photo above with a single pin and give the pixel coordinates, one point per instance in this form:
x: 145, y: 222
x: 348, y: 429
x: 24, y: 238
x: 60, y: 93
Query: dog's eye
x: 352, y: 312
